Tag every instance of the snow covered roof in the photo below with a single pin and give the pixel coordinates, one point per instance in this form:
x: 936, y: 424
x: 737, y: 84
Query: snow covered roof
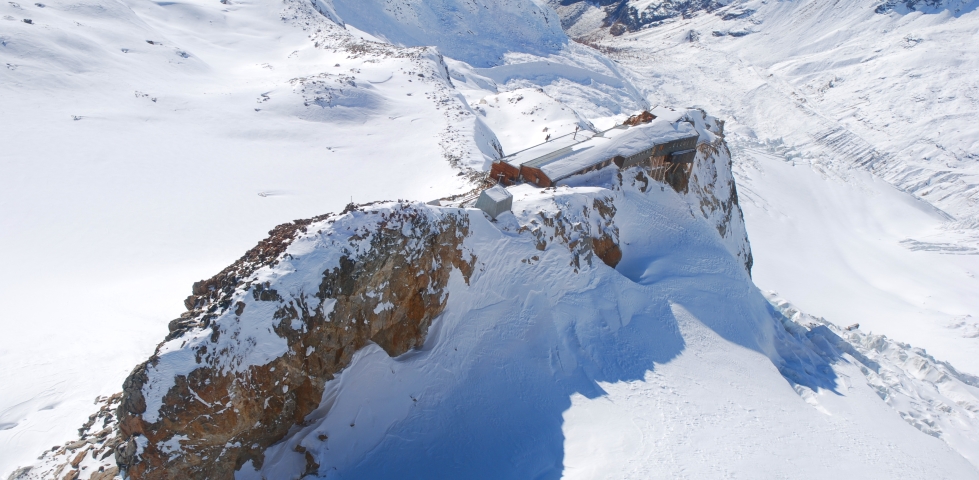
x: 624, y: 141
x: 519, y: 158
x: 495, y: 201
x: 497, y: 193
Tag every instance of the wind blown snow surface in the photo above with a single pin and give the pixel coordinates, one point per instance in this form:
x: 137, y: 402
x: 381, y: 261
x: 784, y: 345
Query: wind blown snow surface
x: 145, y: 145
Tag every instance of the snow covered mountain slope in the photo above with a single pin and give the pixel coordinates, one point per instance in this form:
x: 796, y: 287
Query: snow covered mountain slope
x: 887, y: 89
x: 674, y: 422
x: 874, y: 255
x: 527, y: 116
x: 478, y: 32
x: 163, y: 160
x: 146, y: 144
x: 815, y: 94
x: 541, y: 360
x: 167, y: 137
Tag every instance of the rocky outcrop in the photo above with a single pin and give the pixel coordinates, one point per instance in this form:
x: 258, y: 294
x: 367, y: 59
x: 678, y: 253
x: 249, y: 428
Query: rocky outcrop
x: 707, y: 184
x: 587, y: 234
x: 924, y: 6
x: 712, y: 184
x: 248, y: 364
x: 621, y: 16
x: 90, y: 456
x: 379, y: 275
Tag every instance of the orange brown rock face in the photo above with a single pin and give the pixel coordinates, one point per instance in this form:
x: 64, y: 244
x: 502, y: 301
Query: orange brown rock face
x: 389, y: 295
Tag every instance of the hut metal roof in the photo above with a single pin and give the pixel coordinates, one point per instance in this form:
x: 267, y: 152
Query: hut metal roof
x: 622, y: 141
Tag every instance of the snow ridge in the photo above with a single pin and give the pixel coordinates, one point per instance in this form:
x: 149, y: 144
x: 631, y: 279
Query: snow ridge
x: 928, y: 394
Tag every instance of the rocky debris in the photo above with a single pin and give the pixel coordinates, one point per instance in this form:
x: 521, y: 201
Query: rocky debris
x: 907, y: 6
x: 623, y: 16
x: 89, y: 457
x: 584, y: 234
x: 386, y: 286
x: 638, y: 119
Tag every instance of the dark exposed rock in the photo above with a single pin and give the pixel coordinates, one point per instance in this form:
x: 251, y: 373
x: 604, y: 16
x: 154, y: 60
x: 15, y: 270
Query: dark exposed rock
x: 607, y: 250
x: 107, y: 474
x: 20, y: 473
x: 907, y: 6
x: 736, y: 14
x: 639, y: 119
x: 78, y: 458
x: 621, y: 16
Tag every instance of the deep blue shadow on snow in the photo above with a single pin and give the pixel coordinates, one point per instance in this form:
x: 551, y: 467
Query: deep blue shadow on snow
x: 504, y: 419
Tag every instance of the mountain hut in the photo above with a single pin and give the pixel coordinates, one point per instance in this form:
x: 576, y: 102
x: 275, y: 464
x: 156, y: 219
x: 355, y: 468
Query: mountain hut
x: 650, y: 144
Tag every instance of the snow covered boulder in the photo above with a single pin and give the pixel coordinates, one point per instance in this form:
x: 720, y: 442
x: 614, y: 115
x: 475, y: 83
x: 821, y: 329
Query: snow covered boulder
x: 262, y: 338
x: 495, y: 201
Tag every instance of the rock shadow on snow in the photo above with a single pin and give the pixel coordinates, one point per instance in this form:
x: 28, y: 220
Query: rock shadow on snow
x: 510, y: 405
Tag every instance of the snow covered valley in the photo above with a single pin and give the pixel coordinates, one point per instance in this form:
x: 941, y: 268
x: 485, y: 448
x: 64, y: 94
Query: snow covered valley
x: 812, y: 94
x: 146, y: 145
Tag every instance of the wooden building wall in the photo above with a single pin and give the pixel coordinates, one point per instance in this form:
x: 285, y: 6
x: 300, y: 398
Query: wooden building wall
x: 504, y: 173
x: 535, y: 175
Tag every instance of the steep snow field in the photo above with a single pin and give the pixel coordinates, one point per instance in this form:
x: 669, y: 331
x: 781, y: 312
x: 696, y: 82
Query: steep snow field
x: 855, y: 250
x: 711, y: 413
